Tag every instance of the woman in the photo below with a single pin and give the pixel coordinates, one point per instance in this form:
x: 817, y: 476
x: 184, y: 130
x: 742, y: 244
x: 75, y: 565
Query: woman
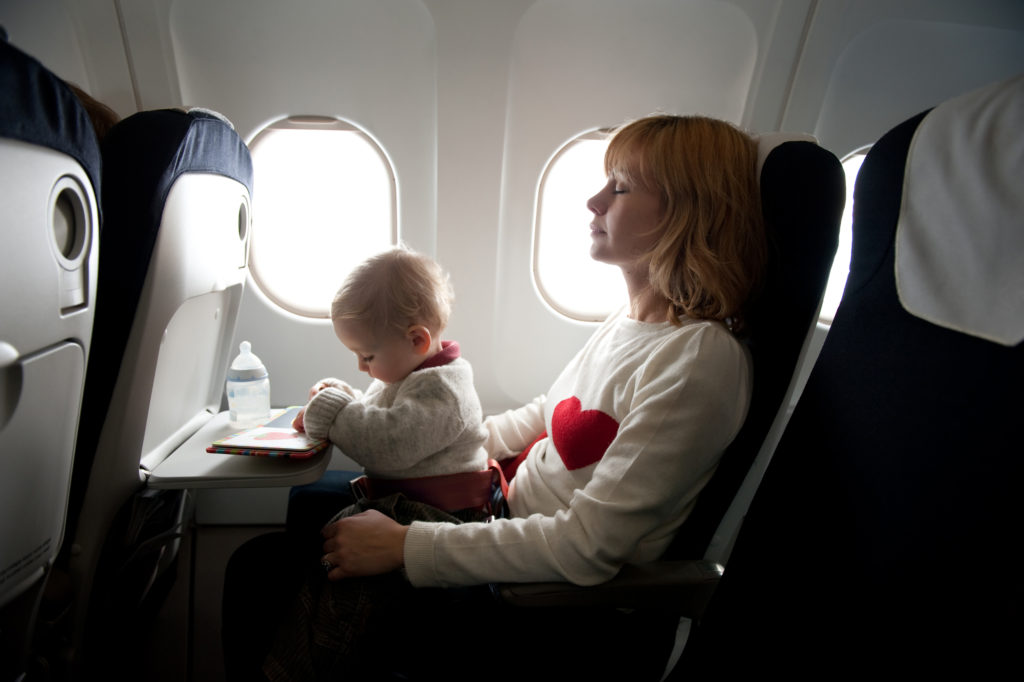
x: 634, y: 426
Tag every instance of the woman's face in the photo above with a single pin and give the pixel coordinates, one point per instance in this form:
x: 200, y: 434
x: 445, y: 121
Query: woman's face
x: 626, y: 223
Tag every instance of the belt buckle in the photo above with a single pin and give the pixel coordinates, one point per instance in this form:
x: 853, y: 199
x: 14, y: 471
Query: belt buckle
x: 359, y: 488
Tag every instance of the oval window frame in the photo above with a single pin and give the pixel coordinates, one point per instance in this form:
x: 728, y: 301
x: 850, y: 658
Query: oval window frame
x: 601, y: 274
x: 261, y: 277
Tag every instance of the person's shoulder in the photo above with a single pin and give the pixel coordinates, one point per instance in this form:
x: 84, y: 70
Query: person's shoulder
x: 694, y: 338
x: 453, y: 374
x: 455, y: 366
x: 709, y: 330
x: 702, y: 328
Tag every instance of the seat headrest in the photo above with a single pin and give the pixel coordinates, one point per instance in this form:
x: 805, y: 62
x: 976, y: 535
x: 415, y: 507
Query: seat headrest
x: 38, y: 108
x: 145, y: 153
x: 960, y: 235
x: 766, y: 142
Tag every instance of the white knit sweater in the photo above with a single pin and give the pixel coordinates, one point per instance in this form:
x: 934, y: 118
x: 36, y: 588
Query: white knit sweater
x: 428, y: 424
x: 637, y: 421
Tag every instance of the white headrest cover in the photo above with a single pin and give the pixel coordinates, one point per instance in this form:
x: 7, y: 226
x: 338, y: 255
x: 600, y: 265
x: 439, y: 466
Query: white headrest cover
x: 960, y: 236
x: 209, y: 112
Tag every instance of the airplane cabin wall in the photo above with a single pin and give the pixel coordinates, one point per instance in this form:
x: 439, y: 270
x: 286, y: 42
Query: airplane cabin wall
x: 469, y: 99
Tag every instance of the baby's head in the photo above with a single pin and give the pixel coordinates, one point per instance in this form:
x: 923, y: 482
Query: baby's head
x: 391, y: 312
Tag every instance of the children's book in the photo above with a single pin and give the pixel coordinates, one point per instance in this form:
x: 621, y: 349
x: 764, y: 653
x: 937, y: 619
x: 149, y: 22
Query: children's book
x: 276, y: 438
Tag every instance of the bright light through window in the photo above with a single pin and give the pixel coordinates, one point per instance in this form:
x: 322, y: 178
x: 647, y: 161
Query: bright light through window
x: 567, y: 278
x: 841, y: 263
x: 324, y: 200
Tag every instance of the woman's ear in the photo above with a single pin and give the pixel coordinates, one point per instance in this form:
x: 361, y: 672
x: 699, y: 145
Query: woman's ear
x: 420, y: 338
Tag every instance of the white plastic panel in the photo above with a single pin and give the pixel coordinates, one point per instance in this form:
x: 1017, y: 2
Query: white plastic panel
x: 188, y: 308
x: 579, y: 65
x: 869, y: 64
x: 33, y: 312
x: 942, y: 60
x: 78, y: 41
x: 187, y: 383
x: 45, y: 30
x: 43, y: 394
x: 47, y: 286
x: 372, y: 63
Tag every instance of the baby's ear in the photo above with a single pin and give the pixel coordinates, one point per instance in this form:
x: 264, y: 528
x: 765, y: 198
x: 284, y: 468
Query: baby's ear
x: 420, y: 338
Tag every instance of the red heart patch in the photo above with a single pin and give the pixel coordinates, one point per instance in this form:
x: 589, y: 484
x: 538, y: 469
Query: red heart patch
x: 581, y: 436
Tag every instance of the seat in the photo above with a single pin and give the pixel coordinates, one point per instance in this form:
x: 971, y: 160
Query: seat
x: 49, y: 174
x: 176, y: 200
x: 803, y: 193
x: 885, y: 536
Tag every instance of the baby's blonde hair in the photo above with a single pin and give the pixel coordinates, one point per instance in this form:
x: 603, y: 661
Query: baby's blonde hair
x: 393, y: 290
x: 712, y: 248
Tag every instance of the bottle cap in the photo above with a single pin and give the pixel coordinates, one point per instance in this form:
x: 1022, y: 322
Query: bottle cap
x: 246, y: 366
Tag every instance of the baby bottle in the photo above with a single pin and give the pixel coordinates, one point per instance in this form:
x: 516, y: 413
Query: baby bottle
x: 248, y: 389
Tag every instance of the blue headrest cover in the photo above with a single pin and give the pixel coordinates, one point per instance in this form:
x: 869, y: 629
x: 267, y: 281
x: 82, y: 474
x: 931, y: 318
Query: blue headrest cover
x: 38, y: 108
x: 145, y: 153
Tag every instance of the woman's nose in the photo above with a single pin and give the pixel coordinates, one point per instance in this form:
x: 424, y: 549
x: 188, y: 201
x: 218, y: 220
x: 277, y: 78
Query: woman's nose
x: 596, y: 204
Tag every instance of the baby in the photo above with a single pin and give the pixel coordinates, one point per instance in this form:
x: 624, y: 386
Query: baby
x: 421, y: 415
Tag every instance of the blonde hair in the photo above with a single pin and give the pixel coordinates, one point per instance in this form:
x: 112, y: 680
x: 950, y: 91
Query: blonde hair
x: 712, y: 248
x: 393, y: 290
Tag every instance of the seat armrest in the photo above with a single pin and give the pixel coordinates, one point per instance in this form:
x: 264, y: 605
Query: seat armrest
x: 681, y: 587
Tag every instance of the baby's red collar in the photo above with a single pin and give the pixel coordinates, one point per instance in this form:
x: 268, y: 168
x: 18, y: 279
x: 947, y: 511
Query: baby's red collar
x: 449, y: 352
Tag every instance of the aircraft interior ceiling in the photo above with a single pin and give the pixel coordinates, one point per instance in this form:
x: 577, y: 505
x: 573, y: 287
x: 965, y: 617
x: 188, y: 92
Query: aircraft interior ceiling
x: 469, y: 100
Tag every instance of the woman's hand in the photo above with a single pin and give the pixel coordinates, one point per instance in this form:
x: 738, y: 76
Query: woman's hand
x: 365, y: 544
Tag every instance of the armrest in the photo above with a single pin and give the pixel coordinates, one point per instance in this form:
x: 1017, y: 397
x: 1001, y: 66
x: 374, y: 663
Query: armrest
x: 682, y: 587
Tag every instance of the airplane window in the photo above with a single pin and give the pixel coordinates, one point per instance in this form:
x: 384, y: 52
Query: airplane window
x: 564, y: 274
x: 841, y: 263
x: 324, y: 200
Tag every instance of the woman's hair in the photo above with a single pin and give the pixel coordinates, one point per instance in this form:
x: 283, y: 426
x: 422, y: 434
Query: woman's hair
x: 712, y: 250
x: 103, y: 117
x: 393, y: 290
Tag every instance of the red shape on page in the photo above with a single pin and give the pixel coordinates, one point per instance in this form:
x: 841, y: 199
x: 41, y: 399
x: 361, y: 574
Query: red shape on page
x: 581, y: 436
x: 275, y: 435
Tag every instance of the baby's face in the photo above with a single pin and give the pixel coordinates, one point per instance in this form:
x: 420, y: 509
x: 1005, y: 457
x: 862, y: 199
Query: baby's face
x: 385, y: 355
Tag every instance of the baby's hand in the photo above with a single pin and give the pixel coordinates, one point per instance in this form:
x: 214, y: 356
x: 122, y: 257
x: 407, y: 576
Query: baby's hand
x: 317, y: 387
x: 331, y: 383
x: 298, y: 424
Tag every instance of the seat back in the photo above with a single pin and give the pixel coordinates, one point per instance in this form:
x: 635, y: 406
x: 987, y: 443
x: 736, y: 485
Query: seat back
x: 802, y: 197
x: 886, y: 532
x: 176, y: 198
x: 50, y: 223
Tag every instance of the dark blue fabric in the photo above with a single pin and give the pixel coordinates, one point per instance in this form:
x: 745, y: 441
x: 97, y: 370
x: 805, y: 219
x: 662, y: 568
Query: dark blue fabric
x: 885, y: 535
x: 312, y: 505
x: 802, y: 195
x: 38, y: 108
